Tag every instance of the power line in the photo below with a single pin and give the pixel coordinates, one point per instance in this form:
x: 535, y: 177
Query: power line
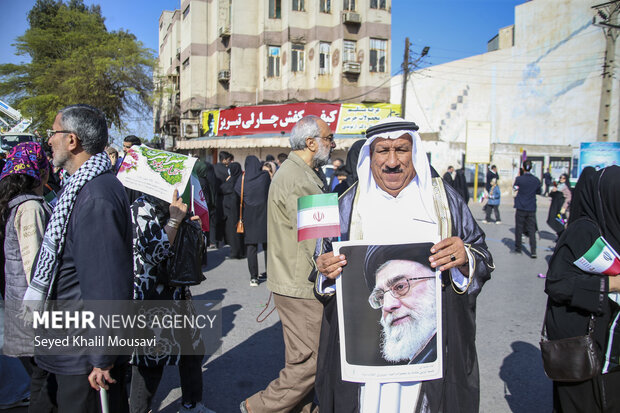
x: 515, y: 78
x: 490, y: 83
x: 585, y: 33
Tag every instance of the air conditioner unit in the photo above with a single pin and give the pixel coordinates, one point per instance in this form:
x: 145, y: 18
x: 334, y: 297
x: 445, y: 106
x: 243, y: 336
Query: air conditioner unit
x: 223, y: 75
x: 174, y: 130
x: 351, y: 67
x: 224, y: 31
x: 190, y: 129
x: 351, y: 17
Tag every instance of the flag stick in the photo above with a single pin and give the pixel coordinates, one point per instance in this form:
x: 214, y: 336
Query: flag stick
x: 103, y: 396
x: 192, y: 197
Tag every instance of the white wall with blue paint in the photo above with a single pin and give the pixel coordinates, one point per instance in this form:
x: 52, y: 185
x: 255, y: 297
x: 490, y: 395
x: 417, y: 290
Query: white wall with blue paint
x: 544, y: 90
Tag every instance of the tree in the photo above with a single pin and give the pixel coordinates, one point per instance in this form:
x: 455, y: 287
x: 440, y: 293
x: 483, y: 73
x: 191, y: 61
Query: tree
x: 75, y: 59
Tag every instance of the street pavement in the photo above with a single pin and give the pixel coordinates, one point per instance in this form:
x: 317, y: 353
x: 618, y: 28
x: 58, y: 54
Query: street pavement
x: 509, y: 316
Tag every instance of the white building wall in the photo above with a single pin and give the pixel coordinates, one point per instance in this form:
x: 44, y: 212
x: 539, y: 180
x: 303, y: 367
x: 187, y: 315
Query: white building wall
x: 544, y: 90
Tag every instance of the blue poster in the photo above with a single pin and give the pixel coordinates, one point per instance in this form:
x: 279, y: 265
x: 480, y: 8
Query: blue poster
x: 599, y: 154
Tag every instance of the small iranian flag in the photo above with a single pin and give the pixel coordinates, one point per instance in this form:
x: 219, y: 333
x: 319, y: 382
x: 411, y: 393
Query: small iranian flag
x: 317, y: 216
x: 199, y: 203
x: 600, y: 259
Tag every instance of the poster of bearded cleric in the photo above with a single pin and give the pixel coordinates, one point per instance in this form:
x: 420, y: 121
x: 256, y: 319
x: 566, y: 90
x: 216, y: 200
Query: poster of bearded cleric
x: 389, y: 299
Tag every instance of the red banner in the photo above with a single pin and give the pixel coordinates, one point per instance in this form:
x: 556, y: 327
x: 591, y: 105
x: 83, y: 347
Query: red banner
x: 251, y: 120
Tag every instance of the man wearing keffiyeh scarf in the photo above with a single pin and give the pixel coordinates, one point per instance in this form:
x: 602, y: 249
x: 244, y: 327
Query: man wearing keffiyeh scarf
x: 399, y: 199
x: 86, y: 255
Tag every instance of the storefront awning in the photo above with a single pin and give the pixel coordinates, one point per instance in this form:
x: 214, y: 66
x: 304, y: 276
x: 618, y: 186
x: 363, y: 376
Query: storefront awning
x: 342, y: 143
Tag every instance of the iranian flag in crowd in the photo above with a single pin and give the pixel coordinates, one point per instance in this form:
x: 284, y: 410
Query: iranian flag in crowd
x: 600, y: 259
x: 318, y: 217
x: 199, y: 203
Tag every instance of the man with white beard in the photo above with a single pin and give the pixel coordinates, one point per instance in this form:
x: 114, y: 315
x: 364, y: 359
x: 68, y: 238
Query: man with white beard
x: 405, y: 292
x: 400, y: 199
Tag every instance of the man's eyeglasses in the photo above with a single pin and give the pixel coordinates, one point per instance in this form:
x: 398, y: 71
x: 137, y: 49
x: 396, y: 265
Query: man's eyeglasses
x: 399, y: 289
x: 51, y: 132
x: 328, y: 138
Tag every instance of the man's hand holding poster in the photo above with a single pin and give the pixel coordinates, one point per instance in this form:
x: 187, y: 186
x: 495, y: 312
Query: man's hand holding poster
x: 389, y: 312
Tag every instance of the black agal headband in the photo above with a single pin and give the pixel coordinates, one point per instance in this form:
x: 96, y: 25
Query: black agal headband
x: 391, y: 127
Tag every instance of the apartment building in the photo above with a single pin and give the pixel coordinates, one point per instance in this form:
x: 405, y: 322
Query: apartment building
x: 219, y: 54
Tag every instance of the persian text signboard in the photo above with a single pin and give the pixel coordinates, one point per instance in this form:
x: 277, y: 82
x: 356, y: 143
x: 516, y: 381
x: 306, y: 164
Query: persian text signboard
x: 250, y: 120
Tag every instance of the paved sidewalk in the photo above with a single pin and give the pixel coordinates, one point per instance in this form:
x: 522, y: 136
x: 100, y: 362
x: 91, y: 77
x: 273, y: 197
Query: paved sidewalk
x: 510, y: 312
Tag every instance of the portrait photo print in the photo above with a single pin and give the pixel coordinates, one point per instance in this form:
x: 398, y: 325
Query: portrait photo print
x: 388, y: 306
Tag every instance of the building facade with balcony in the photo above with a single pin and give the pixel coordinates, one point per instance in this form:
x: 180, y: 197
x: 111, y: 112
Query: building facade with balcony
x: 220, y: 54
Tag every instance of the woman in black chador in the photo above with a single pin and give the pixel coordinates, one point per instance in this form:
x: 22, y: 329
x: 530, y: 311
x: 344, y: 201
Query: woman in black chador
x: 575, y: 295
x: 230, y: 207
x: 255, y: 192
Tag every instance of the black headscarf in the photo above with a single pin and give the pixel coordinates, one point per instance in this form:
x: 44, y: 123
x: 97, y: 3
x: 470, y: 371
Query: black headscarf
x: 581, y: 203
x: 235, y: 172
x: 253, y: 168
x: 350, y: 166
x: 608, y: 208
x: 599, y: 200
x: 256, y: 182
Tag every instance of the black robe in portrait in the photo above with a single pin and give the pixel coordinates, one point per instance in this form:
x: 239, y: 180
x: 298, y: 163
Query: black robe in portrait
x: 458, y: 391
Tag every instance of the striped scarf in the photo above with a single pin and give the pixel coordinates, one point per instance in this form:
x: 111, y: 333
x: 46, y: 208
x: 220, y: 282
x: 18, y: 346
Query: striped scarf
x: 46, y: 270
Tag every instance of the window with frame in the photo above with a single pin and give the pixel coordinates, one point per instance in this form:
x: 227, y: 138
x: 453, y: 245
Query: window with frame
x: 325, y: 6
x: 298, y: 5
x: 186, y: 63
x: 273, y: 61
x: 377, y: 4
x: 324, y: 56
x: 377, y: 55
x: 185, y: 12
x: 297, y: 58
x: 275, y: 9
x: 348, y: 5
x: 349, y: 51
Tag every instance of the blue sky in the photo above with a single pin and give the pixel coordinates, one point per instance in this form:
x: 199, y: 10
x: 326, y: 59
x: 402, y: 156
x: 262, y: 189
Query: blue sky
x: 453, y: 29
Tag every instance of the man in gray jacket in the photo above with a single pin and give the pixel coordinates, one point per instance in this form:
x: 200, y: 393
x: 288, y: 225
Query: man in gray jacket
x: 290, y: 263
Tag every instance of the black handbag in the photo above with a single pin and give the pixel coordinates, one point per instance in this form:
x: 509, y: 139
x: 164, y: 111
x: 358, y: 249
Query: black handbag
x: 571, y: 359
x: 184, y: 268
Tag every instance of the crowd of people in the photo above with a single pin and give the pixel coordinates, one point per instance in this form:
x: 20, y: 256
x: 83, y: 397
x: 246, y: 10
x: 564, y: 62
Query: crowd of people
x: 71, y: 231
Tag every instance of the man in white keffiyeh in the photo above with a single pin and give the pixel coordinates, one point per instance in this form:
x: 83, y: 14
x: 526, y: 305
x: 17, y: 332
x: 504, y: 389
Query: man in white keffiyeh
x: 86, y: 255
x: 400, y: 199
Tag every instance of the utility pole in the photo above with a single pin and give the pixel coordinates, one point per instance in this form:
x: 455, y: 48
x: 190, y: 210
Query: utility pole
x: 607, y: 19
x: 403, y: 99
x: 407, y: 68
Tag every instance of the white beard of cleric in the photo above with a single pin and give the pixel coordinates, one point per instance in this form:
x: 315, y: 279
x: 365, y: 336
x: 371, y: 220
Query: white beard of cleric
x: 409, y: 322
